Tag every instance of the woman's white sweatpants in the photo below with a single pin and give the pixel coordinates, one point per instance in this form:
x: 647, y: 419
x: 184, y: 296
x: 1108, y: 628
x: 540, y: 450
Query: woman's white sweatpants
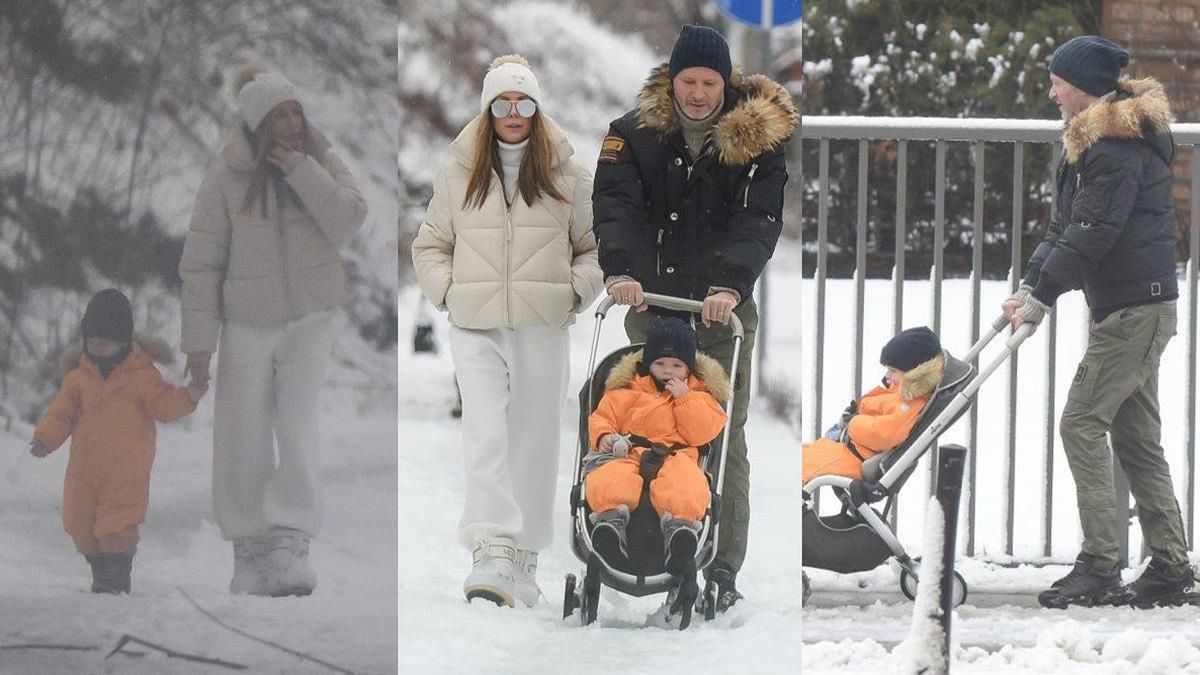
x: 268, y: 381
x: 513, y: 382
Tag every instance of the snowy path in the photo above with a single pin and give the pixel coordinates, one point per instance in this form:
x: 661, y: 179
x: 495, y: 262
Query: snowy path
x: 442, y: 633
x: 350, y: 620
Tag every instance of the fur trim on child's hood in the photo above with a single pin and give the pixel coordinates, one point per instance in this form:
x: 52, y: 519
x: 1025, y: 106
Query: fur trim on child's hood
x: 707, y: 370
x: 156, y: 348
x: 923, y: 379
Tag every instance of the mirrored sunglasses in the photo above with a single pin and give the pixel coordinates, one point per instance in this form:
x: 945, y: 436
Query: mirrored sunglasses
x: 525, y: 107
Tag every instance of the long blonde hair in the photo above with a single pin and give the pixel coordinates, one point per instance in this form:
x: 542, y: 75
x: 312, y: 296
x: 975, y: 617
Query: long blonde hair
x: 534, y: 178
x: 260, y: 143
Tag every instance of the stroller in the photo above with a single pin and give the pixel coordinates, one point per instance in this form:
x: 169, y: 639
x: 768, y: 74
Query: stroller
x: 858, y: 538
x: 644, y: 572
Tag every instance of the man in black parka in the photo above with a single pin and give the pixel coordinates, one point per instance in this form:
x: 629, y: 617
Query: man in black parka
x: 688, y: 202
x: 1114, y: 236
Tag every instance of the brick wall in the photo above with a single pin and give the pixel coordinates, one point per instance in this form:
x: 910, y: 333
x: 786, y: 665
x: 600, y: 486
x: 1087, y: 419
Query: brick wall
x: 1163, y: 37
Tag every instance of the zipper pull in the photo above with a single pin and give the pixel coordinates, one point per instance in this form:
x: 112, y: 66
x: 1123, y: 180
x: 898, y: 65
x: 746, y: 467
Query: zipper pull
x: 658, y: 254
x: 750, y: 177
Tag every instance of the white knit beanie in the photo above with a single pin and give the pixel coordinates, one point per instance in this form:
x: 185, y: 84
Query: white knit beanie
x: 509, y: 73
x: 259, y: 91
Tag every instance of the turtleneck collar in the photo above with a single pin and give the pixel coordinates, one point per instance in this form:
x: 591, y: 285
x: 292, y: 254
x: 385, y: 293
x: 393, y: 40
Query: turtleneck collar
x: 510, y: 158
x: 695, y: 132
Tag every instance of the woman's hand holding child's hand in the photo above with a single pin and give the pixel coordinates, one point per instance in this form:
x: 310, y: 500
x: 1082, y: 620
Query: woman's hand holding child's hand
x: 677, y: 387
x: 196, y: 389
x: 38, y: 449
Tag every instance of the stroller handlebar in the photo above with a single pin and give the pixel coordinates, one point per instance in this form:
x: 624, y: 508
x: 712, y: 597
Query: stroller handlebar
x: 673, y: 303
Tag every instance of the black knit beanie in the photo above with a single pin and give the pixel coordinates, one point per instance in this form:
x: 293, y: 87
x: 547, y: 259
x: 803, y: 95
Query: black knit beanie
x: 109, y: 316
x: 669, y: 336
x: 701, y: 46
x: 910, y: 348
x: 1091, y: 63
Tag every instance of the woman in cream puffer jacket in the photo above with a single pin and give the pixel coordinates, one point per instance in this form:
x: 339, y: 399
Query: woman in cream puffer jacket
x: 262, y: 270
x: 507, y: 249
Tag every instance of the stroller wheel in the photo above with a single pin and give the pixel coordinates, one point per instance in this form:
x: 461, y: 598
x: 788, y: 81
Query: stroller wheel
x: 709, y: 601
x: 908, y: 586
x: 570, y: 600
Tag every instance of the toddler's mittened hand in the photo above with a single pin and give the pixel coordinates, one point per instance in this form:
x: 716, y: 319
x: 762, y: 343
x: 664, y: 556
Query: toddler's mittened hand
x: 620, y: 447
x: 38, y: 449
x: 606, y: 442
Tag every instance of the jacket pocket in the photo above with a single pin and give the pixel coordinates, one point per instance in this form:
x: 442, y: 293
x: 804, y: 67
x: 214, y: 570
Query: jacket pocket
x: 1164, y: 330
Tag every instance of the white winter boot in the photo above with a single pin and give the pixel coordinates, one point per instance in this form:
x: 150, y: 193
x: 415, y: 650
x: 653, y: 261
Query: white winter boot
x: 286, y: 565
x: 249, y: 561
x: 492, y: 571
x: 525, y: 577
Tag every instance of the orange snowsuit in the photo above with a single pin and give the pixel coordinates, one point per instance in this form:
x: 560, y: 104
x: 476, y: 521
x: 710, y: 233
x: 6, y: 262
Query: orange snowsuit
x: 633, y: 405
x: 883, y: 421
x: 111, y: 422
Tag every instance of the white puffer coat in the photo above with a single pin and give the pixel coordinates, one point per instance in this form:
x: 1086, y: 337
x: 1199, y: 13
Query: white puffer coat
x: 508, y: 267
x: 239, y: 266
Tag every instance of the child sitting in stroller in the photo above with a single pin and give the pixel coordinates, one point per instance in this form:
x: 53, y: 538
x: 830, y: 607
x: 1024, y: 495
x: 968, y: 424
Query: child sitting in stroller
x: 659, y: 405
x: 884, y: 416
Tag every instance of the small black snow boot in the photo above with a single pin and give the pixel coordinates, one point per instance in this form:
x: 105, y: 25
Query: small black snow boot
x: 1156, y: 587
x: 111, y: 572
x: 1084, y: 585
x: 680, y: 537
x: 608, y: 536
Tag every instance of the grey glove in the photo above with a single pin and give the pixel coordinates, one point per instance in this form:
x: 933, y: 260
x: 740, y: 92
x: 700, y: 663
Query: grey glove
x: 1033, y: 311
x: 1022, y: 294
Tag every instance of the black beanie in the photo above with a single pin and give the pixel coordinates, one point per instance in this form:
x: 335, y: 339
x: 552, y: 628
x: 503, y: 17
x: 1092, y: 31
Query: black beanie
x: 910, y: 348
x: 109, y: 316
x: 669, y: 336
x: 700, y: 46
x: 1091, y: 63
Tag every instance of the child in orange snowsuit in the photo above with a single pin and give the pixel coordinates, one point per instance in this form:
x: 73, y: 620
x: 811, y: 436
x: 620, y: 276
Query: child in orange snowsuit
x: 884, y: 416
x: 110, y: 397
x: 661, y: 396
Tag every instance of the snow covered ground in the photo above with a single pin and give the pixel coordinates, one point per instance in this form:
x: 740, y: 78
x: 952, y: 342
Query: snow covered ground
x: 350, y: 621
x: 857, y: 623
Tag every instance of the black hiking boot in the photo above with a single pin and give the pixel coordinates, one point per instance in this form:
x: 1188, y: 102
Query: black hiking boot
x: 726, y: 580
x: 1083, y: 563
x: 1156, y: 587
x: 1084, y: 585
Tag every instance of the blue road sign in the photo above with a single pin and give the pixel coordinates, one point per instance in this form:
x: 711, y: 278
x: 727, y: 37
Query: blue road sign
x: 750, y: 12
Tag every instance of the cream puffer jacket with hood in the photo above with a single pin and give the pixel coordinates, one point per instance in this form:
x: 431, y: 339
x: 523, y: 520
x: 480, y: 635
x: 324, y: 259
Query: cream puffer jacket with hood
x: 508, y: 267
x: 239, y: 266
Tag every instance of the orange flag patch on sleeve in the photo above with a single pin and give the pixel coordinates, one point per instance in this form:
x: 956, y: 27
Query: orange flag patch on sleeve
x: 611, y: 149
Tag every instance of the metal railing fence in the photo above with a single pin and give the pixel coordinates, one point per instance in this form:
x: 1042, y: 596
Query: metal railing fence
x: 976, y: 132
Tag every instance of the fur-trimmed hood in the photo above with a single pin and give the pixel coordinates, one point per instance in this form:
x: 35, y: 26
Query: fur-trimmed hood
x: 1140, y: 106
x: 758, y: 115
x: 156, y: 350
x: 237, y: 152
x: 707, y: 370
x: 924, y: 379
